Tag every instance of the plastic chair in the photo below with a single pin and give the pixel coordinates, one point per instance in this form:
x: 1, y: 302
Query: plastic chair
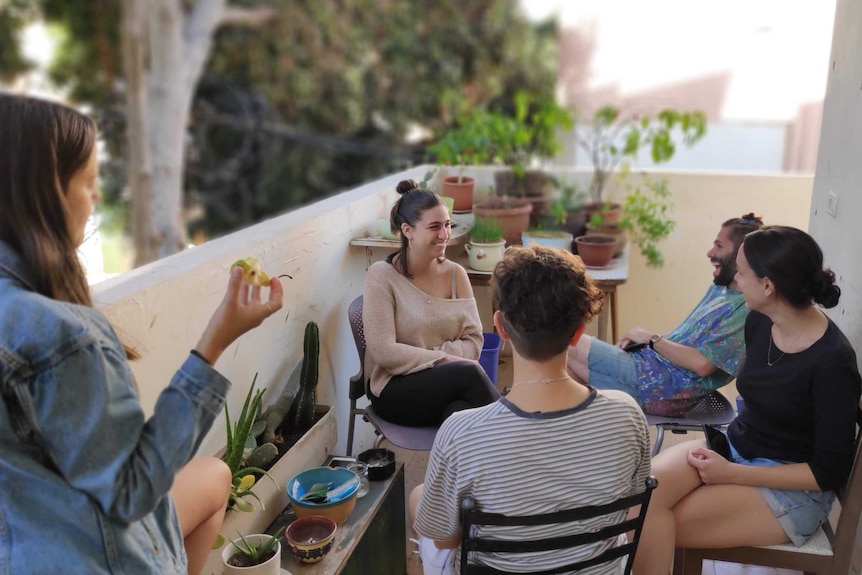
x: 825, y: 553
x: 471, y: 544
x: 412, y: 438
x: 712, y: 409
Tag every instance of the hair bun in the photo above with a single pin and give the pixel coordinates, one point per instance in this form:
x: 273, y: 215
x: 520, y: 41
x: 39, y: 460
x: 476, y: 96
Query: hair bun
x: 826, y: 293
x: 405, y: 186
x: 750, y: 217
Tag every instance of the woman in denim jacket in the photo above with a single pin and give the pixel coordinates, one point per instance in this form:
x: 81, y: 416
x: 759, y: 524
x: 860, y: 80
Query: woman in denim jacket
x: 90, y: 485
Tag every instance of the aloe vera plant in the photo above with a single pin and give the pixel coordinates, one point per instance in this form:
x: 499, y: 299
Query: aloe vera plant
x: 253, y: 554
x: 241, y: 446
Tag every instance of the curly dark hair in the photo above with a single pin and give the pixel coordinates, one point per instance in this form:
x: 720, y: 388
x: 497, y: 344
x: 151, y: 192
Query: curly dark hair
x: 544, y: 296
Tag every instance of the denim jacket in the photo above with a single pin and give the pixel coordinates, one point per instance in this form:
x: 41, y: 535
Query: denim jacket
x: 85, y: 475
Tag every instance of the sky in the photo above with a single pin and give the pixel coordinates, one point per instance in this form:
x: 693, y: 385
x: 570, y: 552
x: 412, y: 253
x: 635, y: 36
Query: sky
x: 777, y: 50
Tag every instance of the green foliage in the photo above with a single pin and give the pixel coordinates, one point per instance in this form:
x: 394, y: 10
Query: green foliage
x: 254, y: 553
x: 14, y: 16
x: 260, y: 139
x: 486, y: 231
x: 241, y: 445
x: 648, y: 217
x: 616, y: 140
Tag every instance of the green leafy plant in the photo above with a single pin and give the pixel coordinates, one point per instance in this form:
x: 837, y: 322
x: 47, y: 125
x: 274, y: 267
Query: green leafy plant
x: 486, y: 231
x: 241, y: 449
x: 616, y: 139
x: 648, y: 217
x: 467, y: 144
x: 254, y: 554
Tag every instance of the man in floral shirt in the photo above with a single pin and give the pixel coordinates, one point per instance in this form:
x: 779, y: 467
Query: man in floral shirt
x: 666, y: 374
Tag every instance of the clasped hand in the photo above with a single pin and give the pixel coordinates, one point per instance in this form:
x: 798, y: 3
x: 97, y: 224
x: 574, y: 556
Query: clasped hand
x: 712, y: 467
x: 240, y: 311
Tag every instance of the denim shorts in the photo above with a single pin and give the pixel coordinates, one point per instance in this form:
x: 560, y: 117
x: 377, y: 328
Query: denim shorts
x: 800, y: 512
x: 612, y: 368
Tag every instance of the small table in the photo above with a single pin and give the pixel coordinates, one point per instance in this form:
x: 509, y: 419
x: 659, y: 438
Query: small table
x: 607, y: 279
x: 374, y: 534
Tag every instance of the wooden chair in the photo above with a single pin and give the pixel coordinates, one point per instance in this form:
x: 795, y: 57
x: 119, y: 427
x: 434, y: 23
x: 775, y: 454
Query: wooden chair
x: 827, y: 552
x: 713, y: 409
x: 412, y: 438
x: 471, y: 544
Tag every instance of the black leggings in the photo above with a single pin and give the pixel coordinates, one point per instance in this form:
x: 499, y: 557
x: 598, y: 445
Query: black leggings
x: 428, y: 397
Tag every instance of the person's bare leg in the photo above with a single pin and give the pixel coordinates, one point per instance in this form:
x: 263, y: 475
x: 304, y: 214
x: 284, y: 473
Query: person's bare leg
x: 721, y: 516
x: 676, y: 479
x: 200, y: 493
x: 577, y: 360
x: 412, y: 503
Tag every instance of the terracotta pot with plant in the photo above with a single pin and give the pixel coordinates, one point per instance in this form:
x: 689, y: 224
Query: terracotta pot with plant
x: 613, y: 143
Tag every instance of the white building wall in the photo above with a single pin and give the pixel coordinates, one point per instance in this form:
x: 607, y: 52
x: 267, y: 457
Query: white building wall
x: 839, y: 169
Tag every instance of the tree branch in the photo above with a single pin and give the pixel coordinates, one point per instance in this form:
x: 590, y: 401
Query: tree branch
x: 247, y: 17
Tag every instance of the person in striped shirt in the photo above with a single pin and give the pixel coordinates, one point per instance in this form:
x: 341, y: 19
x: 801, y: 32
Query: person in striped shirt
x: 551, y: 443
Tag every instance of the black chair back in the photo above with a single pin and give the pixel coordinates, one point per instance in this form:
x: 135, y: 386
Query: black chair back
x: 472, y: 516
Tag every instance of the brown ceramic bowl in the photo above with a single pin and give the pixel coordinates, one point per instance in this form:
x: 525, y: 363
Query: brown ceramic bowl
x: 310, y: 538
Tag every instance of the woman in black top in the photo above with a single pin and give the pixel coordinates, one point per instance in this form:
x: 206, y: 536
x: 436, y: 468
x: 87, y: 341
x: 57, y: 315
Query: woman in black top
x: 793, y: 443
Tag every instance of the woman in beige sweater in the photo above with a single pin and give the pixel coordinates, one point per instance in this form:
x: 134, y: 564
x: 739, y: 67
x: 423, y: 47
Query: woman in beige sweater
x: 422, y: 330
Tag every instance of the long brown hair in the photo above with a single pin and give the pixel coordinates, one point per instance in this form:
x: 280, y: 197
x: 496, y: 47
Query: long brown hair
x: 42, y: 145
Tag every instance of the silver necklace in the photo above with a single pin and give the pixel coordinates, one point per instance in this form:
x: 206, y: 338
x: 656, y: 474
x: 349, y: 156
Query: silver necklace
x: 433, y: 285
x: 545, y: 380
x: 769, y: 361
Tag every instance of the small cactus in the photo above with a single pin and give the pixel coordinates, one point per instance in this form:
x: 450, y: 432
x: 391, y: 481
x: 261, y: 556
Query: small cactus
x: 262, y: 455
x: 307, y: 398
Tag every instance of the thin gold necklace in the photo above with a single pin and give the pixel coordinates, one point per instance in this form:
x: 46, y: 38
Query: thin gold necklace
x: 769, y: 361
x: 545, y: 380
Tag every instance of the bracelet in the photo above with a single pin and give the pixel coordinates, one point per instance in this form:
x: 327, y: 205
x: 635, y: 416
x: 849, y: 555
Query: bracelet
x: 196, y: 353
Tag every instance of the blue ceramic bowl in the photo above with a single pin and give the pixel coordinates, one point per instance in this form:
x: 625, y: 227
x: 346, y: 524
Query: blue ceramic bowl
x: 337, y: 507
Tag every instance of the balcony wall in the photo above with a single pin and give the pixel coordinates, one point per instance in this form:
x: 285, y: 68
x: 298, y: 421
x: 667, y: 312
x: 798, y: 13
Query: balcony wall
x: 162, y: 308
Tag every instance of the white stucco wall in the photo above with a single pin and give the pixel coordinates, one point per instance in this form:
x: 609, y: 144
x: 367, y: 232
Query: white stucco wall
x: 161, y: 309
x: 839, y: 169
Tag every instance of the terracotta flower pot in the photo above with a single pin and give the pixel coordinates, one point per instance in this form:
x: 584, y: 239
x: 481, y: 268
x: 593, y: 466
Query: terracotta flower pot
x: 596, y: 251
x: 612, y: 230
x: 512, y: 215
x: 461, y: 191
x: 611, y: 212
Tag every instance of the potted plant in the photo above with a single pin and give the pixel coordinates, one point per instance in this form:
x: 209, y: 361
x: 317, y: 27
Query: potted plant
x: 567, y: 212
x: 614, y: 141
x: 521, y: 140
x: 486, y: 246
x: 467, y: 144
x: 512, y: 214
x: 257, y: 554
x: 648, y: 217
x: 560, y: 239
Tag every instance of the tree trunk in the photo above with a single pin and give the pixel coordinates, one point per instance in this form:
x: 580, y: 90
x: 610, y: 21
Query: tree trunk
x: 159, y: 106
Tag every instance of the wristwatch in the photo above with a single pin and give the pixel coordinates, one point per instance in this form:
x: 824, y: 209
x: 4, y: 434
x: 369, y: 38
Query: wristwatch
x: 654, y: 339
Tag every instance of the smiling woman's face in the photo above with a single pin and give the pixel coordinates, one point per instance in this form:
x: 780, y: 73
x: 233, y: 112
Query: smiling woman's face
x: 431, y: 233
x: 81, y: 195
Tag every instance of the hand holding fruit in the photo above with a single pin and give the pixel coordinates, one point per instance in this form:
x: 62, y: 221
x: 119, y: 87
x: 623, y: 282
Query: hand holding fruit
x: 240, y: 311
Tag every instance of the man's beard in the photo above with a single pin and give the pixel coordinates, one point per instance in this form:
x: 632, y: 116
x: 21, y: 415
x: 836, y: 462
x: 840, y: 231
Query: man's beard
x: 726, y: 270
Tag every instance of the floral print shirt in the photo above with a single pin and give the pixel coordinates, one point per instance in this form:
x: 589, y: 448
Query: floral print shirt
x: 715, y: 328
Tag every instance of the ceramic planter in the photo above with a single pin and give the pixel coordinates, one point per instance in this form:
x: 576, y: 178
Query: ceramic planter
x: 311, y: 450
x: 484, y: 257
x: 461, y: 191
x: 271, y: 566
x: 558, y: 240
x: 596, y: 251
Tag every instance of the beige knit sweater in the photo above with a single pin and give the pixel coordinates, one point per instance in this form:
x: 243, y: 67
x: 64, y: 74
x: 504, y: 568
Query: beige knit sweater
x: 405, y: 334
